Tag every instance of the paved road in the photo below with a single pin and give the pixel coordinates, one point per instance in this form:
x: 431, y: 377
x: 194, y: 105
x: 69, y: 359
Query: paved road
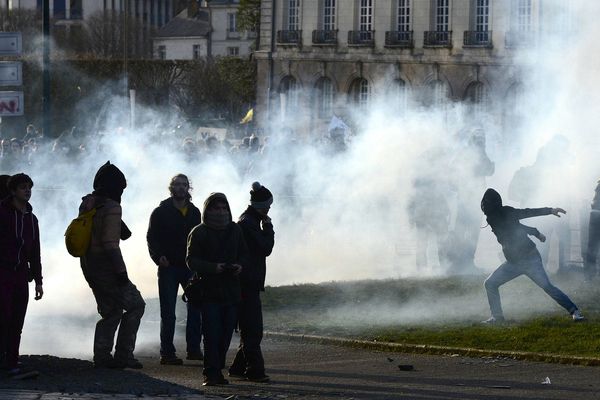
x: 312, y: 371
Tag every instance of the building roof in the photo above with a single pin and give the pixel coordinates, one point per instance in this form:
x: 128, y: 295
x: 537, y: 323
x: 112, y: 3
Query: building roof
x: 184, y: 26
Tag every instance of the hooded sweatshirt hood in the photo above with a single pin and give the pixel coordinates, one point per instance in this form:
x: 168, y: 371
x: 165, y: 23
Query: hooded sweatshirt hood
x: 213, y: 220
x: 110, y: 182
x: 491, y: 202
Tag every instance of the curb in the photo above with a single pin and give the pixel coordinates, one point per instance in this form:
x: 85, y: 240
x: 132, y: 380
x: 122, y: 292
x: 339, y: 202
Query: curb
x: 432, y: 349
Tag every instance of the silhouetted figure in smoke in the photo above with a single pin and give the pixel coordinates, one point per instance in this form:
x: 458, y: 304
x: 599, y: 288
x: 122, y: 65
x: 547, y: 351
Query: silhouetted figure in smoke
x: 428, y: 209
x: 522, y: 257
x: 531, y: 184
x: 20, y: 263
x: 590, y: 265
x: 260, y: 238
x: 120, y: 304
x: 473, y: 165
x: 168, y: 230
x: 12, y: 155
x: 216, y: 250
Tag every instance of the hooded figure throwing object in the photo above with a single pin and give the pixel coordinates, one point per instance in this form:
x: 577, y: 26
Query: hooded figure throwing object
x: 522, y: 257
x: 120, y: 304
x: 216, y: 251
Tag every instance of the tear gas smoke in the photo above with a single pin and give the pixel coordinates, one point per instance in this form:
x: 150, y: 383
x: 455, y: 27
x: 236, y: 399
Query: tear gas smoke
x: 337, y: 215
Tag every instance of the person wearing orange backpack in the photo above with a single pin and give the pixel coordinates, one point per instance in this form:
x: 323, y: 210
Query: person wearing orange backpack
x: 19, y: 264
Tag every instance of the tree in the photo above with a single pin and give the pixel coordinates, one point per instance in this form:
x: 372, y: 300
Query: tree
x: 248, y: 17
x: 106, y: 35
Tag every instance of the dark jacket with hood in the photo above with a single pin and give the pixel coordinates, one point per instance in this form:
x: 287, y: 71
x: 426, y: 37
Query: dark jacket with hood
x: 260, y: 243
x: 510, y: 233
x: 168, y: 231
x: 20, y: 240
x: 207, y: 247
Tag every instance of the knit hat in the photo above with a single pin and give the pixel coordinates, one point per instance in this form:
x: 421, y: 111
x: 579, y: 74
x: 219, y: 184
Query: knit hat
x: 110, y: 182
x: 260, y: 196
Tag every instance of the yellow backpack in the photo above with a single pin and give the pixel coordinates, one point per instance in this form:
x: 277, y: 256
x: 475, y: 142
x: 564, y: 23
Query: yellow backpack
x: 79, y: 234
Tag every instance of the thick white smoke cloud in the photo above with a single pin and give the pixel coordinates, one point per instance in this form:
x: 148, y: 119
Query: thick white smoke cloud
x: 337, y: 216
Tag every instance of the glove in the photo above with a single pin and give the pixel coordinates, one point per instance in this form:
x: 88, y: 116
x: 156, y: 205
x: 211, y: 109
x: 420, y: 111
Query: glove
x: 122, y: 279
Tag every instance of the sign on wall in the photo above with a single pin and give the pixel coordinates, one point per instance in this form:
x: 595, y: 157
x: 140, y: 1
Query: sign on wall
x: 11, y: 73
x: 11, y: 104
x: 11, y: 43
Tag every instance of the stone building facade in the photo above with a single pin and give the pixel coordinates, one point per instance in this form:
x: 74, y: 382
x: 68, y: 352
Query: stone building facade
x: 322, y: 55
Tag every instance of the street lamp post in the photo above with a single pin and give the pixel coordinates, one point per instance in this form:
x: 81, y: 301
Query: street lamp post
x: 46, y: 100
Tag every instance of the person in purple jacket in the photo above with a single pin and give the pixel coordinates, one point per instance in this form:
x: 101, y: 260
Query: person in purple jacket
x: 522, y: 256
x: 19, y: 264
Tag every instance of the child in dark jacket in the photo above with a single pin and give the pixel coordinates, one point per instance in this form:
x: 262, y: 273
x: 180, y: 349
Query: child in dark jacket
x: 522, y: 257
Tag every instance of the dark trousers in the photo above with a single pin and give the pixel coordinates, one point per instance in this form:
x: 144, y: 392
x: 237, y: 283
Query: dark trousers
x: 218, y: 322
x: 249, y: 359
x: 14, y: 296
x: 120, y: 306
x: 169, y: 280
x: 590, y: 260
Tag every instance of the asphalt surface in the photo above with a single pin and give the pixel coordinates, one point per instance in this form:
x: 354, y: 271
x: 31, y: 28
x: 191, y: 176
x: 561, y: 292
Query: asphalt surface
x: 314, y: 371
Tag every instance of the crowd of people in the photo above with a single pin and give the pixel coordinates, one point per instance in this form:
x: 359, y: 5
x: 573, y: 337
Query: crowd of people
x: 227, y: 258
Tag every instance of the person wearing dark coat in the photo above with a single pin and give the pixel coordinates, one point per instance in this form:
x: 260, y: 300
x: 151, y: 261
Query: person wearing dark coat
x: 522, y: 256
x: 168, y: 230
x: 20, y: 263
x: 216, y: 251
x: 260, y: 238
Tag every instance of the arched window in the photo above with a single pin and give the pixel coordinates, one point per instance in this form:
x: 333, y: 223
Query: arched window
x: 476, y: 96
x: 360, y: 91
x: 288, y: 94
x: 437, y: 94
x: 324, y: 94
x: 398, y: 94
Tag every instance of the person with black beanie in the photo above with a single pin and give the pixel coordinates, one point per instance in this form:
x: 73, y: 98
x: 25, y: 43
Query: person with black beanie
x: 260, y: 238
x: 522, y: 256
x: 120, y: 304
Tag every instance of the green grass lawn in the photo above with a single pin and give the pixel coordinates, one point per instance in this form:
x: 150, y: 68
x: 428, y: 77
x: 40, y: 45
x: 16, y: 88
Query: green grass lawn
x: 440, y: 312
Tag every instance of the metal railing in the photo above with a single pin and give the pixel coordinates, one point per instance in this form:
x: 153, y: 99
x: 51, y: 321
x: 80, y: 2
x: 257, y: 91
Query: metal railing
x: 477, y: 39
x: 325, y: 37
x: 516, y: 39
x: 437, y: 39
x: 361, y: 38
x: 233, y: 34
x: 402, y: 39
x: 289, y: 37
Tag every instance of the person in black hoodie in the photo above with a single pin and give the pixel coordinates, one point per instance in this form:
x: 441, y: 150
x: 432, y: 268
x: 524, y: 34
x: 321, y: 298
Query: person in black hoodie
x: 19, y: 264
x: 522, y: 256
x: 260, y: 238
x: 168, y: 230
x: 216, y: 251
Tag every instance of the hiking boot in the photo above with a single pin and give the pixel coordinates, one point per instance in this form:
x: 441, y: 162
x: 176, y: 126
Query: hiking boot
x: 193, y: 355
x: 259, y: 378
x: 577, y: 317
x: 171, y: 360
x: 493, y: 321
x: 221, y: 380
